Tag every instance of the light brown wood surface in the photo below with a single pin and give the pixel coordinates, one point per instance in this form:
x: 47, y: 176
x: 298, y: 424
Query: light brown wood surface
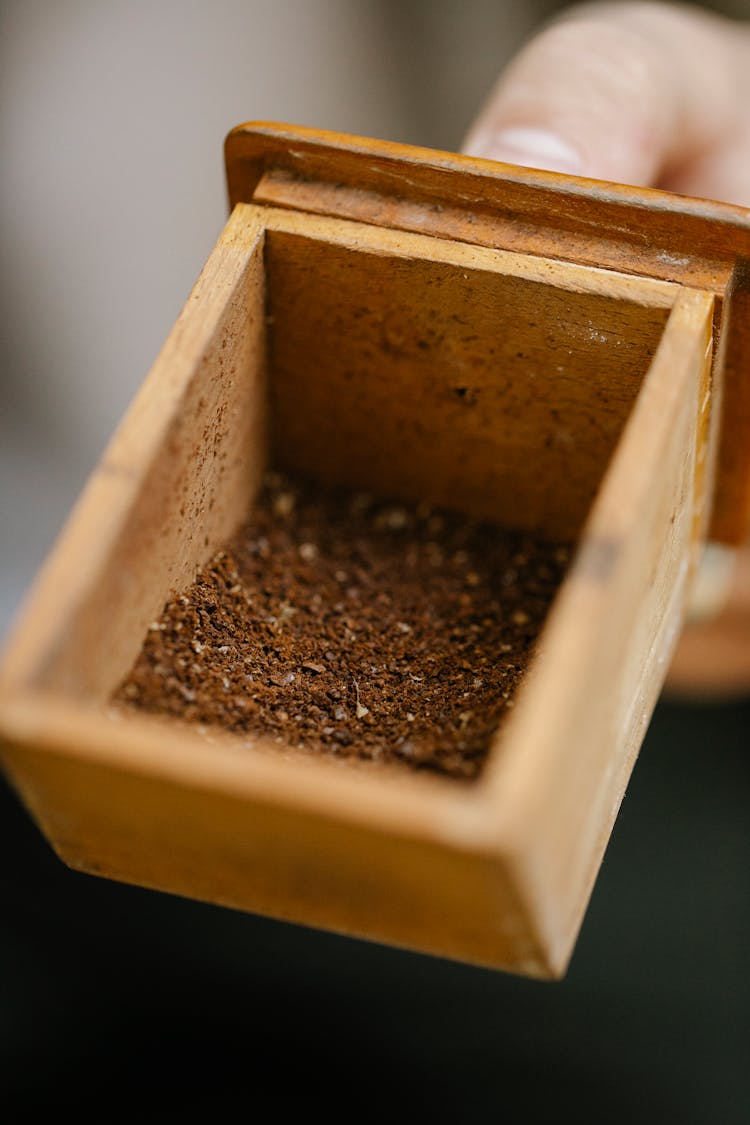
x: 434, y: 371
x: 337, y: 346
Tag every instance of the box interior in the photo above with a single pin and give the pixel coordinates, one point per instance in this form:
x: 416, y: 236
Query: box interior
x: 413, y: 377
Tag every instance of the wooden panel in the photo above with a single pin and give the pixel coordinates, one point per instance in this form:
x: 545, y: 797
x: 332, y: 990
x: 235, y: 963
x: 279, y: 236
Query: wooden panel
x: 516, y: 209
x: 400, y: 859
x: 175, y: 481
x: 432, y: 374
x: 561, y: 765
x: 732, y: 494
x: 286, y: 864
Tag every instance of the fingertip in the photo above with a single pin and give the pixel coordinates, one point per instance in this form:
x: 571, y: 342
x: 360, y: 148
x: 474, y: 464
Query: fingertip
x: 584, y: 98
x: 529, y: 146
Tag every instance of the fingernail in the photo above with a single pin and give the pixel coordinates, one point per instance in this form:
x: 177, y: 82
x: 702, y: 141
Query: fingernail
x: 530, y: 147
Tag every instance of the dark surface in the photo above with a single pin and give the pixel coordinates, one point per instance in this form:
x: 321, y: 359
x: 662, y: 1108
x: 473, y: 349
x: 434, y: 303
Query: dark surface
x: 127, y: 1006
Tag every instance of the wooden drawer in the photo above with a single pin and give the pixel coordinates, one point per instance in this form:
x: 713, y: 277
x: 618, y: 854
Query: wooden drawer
x: 543, y: 353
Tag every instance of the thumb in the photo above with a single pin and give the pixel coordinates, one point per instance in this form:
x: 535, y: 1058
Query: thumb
x: 623, y: 92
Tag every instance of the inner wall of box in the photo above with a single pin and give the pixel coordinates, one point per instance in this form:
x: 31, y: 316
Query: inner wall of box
x: 479, y: 391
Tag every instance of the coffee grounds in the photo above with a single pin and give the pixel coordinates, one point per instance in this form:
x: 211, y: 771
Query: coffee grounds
x: 341, y: 625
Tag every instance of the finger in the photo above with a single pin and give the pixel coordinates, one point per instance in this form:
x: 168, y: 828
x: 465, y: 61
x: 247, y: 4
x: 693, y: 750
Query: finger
x: 721, y: 172
x: 631, y: 93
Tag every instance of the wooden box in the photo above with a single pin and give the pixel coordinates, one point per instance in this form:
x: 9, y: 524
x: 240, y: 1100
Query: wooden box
x: 559, y: 355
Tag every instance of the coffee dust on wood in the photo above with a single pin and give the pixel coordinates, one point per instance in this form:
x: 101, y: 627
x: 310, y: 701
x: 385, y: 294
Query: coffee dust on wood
x: 346, y: 626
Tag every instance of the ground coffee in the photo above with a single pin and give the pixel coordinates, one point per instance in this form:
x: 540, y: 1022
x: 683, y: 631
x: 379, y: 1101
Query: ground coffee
x: 339, y: 624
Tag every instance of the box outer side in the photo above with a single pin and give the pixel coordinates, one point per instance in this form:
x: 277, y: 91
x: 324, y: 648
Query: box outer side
x: 282, y: 858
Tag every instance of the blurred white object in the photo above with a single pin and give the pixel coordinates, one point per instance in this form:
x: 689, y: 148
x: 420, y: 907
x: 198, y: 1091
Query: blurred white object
x: 113, y: 118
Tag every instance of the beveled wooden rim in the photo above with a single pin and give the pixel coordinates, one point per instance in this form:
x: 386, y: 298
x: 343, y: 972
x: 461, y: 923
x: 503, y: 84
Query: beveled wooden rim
x: 709, y: 229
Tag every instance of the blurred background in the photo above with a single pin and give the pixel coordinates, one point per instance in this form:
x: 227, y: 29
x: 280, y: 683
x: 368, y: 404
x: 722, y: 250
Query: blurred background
x: 126, y: 1005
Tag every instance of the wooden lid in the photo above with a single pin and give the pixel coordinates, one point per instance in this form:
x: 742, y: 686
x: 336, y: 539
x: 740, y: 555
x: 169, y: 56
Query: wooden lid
x: 696, y: 243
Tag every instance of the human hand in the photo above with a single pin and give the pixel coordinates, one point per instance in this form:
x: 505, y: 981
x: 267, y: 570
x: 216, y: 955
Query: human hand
x: 654, y: 95
x: 637, y: 93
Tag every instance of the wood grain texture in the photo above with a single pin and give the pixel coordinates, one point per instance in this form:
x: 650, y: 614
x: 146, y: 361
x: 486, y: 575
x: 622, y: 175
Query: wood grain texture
x: 434, y: 374
x: 294, y: 843
x: 650, y: 233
